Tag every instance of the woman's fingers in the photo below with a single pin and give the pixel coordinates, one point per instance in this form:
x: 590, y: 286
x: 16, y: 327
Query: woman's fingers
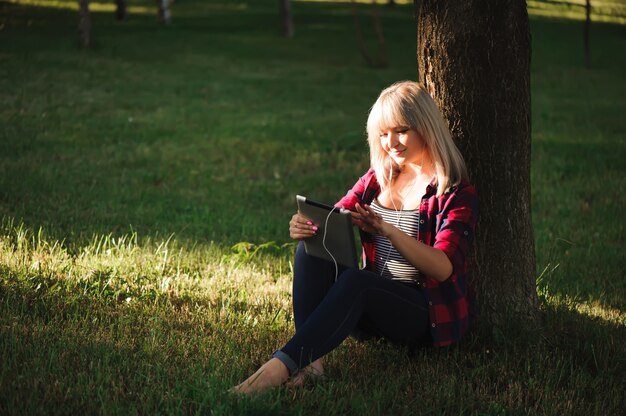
x: 367, y: 214
x: 301, y: 227
x: 368, y: 220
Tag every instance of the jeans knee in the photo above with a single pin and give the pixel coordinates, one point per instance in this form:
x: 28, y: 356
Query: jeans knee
x: 351, y: 279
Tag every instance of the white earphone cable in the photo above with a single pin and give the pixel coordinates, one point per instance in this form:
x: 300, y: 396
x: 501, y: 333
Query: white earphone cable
x: 324, y: 244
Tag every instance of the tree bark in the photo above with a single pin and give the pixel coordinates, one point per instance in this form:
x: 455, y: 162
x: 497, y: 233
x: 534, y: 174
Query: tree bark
x: 163, y: 12
x: 474, y: 58
x: 286, y: 18
x: 84, y: 24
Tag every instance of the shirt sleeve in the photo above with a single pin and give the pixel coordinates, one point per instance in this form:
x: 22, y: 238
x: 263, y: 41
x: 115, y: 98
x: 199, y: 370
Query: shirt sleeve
x: 455, y: 226
x: 356, y: 194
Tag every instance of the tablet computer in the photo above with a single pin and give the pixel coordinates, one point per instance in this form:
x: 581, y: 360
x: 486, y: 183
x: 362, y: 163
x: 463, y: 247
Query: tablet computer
x: 335, y: 234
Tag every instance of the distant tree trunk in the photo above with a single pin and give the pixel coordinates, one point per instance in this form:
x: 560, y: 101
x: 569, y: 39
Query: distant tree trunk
x: 474, y: 58
x: 586, y: 33
x: 163, y: 14
x: 120, y: 11
x: 391, y: 3
x: 381, y: 61
x: 84, y: 23
x: 286, y: 18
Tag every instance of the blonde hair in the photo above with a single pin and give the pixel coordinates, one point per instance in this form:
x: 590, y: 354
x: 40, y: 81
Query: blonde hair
x: 408, y: 104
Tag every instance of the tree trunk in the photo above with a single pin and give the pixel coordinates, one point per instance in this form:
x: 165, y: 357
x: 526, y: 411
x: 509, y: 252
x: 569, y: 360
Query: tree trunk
x: 286, y: 18
x: 163, y: 13
x: 381, y: 61
x: 84, y: 23
x: 586, y: 33
x: 120, y: 11
x: 474, y: 58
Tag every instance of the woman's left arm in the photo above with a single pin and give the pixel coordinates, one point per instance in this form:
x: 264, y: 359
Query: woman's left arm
x: 429, y: 260
x: 452, y: 240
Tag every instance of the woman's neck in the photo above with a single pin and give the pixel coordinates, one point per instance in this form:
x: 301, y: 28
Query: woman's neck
x: 407, y: 189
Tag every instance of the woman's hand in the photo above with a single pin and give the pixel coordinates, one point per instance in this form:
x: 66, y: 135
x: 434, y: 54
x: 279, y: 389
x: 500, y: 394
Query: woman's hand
x: 300, y: 227
x: 429, y: 260
x: 369, y: 221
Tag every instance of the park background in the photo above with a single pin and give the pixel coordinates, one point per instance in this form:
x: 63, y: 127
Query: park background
x: 146, y: 184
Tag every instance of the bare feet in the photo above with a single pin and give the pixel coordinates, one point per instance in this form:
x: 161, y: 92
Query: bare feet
x: 315, y: 370
x: 271, y: 374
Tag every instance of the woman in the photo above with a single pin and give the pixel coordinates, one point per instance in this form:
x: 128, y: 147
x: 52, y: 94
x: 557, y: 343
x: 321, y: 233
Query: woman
x: 416, y: 213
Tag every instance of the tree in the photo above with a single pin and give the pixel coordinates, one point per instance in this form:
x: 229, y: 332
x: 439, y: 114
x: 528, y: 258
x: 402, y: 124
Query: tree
x: 163, y: 11
x: 286, y: 18
x: 120, y: 10
x: 586, y: 33
x: 474, y: 58
x: 381, y: 61
x: 84, y: 23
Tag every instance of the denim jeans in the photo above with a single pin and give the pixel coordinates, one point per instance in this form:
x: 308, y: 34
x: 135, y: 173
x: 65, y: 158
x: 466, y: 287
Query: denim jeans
x: 358, y: 303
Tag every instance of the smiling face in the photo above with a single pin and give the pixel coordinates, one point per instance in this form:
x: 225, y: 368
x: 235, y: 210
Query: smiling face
x: 405, y: 128
x: 403, y: 145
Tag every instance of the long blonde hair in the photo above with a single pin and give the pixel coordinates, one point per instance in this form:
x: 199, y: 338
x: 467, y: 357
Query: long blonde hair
x: 408, y: 104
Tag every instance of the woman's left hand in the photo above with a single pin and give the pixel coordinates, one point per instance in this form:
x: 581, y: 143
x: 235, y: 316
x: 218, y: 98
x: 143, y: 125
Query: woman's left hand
x: 369, y: 221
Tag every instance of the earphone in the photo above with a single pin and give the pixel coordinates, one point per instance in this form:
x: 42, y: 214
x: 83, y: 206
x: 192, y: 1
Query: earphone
x: 326, y: 248
x: 400, y: 212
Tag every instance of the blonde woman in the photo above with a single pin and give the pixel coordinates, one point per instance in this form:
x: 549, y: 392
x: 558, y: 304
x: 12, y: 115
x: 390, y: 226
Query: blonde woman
x: 416, y: 212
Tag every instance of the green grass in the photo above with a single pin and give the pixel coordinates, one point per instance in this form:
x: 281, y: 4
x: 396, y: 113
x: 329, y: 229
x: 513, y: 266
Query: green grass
x: 146, y: 186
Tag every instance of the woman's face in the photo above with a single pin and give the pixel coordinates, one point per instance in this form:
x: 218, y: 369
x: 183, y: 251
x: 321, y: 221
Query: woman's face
x: 403, y: 145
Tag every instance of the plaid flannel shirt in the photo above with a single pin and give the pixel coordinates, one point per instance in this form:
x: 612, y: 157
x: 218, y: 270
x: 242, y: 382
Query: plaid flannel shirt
x: 447, y: 223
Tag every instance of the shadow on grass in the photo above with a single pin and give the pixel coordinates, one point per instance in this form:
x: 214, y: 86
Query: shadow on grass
x: 179, y: 356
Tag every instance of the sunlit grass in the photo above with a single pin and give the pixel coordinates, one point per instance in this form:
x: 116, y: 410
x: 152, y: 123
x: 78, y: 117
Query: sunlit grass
x: 94, y: 6
x: 146, y: 186
x: 601, y: 11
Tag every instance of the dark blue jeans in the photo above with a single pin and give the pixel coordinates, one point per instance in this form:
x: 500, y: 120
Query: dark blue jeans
x: 359, y: 303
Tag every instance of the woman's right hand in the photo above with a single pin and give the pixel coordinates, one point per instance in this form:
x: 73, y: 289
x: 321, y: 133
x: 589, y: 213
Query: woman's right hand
x: 300, y: 227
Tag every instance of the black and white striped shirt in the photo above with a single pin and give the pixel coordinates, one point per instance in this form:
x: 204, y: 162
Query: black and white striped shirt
x: 389, y: 263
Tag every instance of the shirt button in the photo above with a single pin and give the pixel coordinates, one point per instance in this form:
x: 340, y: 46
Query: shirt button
x: 465, y: 232
x: 430, y: 303
x: 433, y: 324
x: 421, y: 221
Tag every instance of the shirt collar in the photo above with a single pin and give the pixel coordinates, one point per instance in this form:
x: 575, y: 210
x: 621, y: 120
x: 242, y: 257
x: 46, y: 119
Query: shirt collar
x: 432, y: 186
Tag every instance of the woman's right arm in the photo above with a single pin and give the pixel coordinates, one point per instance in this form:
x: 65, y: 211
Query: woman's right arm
x: 300, y: 227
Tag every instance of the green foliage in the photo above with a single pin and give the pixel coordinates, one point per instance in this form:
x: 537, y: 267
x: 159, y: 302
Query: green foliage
x: 146, y: 186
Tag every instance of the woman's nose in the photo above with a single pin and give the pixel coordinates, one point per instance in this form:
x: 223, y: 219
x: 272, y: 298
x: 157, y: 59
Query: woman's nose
x: 392, y: 138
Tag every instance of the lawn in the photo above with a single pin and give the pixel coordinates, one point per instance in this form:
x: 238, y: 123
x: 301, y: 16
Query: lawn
x: 146, y: 186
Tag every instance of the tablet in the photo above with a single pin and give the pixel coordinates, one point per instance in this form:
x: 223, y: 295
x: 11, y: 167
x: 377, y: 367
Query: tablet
x: 335, y: 235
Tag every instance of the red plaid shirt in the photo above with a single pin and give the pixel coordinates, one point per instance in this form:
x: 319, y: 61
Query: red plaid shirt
x: 447, y: 223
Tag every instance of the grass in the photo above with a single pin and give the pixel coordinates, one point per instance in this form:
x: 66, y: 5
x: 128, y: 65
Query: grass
x: 145, y: 188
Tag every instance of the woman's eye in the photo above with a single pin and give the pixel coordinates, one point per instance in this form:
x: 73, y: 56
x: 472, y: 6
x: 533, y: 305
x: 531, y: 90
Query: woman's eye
x: 382, y: 135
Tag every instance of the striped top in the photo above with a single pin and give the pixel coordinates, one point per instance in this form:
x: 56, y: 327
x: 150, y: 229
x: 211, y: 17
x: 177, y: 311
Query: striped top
x: 389, y: 263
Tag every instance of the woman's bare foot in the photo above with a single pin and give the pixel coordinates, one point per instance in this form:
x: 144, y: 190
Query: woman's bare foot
x: 315, y: 370
x: 271, y: 374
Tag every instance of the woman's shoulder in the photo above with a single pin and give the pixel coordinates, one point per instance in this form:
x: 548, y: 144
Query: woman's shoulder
x: 370, y: 174
x: 462, y: 188
x: 363, y: 190
x: 462, y: 194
